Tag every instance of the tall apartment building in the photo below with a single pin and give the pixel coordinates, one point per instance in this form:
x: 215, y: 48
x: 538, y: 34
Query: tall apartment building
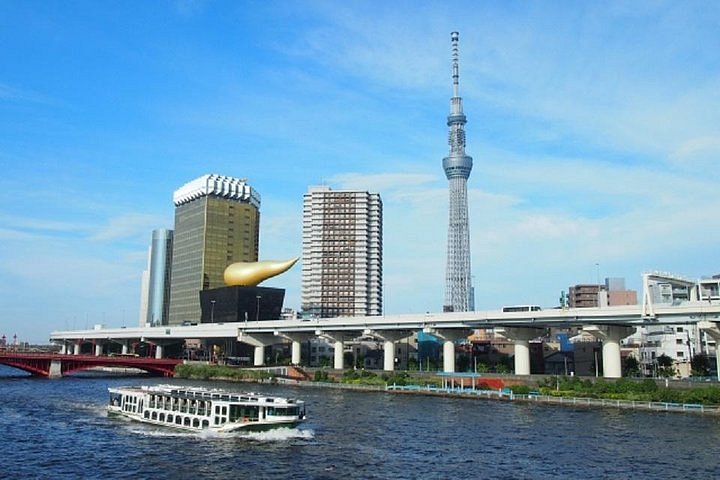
x: 217, y: 222
x: 342, y: 253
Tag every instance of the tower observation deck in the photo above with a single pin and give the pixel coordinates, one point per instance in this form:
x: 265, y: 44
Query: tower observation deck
x: 457, y: 166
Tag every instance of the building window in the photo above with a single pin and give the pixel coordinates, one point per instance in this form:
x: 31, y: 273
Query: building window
x: 680, y: 354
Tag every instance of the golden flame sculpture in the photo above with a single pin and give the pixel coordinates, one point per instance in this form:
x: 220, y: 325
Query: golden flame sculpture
x: 249, y: 274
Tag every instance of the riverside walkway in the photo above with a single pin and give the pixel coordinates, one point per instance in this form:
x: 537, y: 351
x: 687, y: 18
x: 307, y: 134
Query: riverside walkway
x: 507, y: 395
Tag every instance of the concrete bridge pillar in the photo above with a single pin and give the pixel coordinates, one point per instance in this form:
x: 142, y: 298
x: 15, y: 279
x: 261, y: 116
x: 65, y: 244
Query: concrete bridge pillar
x: 55, y: 369
x: 76, y: 349
x: 125, y: 348
x: 521, y: 338
x: 63, y: 348
x: 449, y: 337
x: 259, y: 357
x: 711, y: 329
x: 338, y: 346
x: 389, y: 337
x: 259, y: 341
x: 295, y: 351
x: 339, y: 359
x: 296, y: 340
x: 389, y: 355
x: 158, y: 351
x: 98, y: 349
x: 610, y: 335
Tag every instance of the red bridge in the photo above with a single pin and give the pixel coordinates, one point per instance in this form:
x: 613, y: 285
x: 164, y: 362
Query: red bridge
x: 57, y: 365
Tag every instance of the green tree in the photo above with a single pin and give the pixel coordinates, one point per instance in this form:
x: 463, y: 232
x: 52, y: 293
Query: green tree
x: 504, y: 365
x: 482, y: 368
x: 631, y: 366
x: 412, y: 364
x: 700, y: 364
x: 665, y: 366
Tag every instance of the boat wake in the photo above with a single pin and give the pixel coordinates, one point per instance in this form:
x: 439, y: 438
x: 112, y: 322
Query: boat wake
x: 275, y: 435
x: 159, y: 432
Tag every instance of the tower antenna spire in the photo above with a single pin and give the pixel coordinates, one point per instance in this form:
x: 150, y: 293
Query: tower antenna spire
x: 454, y: 38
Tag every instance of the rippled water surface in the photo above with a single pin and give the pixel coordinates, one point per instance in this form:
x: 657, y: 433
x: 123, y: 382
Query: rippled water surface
x: 59, y: 429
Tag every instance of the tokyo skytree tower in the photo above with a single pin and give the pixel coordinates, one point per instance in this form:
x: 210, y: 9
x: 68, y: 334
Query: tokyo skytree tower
x: 457, y: 166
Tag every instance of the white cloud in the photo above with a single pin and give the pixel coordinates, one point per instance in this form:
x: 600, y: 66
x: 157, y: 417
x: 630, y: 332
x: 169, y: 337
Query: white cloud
x: 703, y: 152
x: 13, y: 94
x: 637, y: 80
x: 382, y: 182
x: 127, y: 225
x: 42, y: 224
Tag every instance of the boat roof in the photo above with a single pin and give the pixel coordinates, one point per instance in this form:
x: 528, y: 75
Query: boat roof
x: 204, y: 393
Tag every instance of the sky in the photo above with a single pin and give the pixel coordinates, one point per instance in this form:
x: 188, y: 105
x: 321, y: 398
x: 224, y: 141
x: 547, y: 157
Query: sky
x: 594, y: 128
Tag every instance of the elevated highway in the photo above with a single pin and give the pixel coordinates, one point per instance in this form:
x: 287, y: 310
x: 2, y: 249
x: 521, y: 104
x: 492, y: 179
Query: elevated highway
x: 609, y: 324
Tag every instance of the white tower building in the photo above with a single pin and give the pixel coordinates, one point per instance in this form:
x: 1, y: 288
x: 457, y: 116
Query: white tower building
x: 457, y: 166
x: 342, y: 253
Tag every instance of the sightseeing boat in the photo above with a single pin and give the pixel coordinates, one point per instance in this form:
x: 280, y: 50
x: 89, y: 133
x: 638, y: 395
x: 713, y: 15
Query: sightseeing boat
x: 197, y: 408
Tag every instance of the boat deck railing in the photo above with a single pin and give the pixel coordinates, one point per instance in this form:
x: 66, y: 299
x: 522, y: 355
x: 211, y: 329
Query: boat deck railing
x: 192, y: 394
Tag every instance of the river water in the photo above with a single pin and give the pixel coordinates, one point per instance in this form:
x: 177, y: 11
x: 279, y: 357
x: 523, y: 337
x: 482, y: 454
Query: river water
x: 58, y: 429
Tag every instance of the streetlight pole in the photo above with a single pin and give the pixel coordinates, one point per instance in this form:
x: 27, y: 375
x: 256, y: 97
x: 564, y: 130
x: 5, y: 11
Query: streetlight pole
x: 257, y: 308
x: 212, y: 311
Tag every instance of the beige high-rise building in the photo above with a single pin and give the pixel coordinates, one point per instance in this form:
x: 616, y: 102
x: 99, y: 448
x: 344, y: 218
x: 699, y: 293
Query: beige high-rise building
x: 217, y: 222
x: 342, y: 253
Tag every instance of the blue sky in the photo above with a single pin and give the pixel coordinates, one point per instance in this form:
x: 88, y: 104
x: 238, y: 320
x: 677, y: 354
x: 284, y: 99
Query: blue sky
x: 594, y: 128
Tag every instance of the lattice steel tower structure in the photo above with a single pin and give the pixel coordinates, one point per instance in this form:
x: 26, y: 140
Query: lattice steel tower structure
x: 457, y: 166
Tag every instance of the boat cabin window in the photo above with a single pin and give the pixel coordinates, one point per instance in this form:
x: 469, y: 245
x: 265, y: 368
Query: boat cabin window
x: 244, y: 412
x: 115, y: 399
x: 282, y: 411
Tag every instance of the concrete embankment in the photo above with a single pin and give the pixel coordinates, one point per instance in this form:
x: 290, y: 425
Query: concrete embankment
x: 508, y: 396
